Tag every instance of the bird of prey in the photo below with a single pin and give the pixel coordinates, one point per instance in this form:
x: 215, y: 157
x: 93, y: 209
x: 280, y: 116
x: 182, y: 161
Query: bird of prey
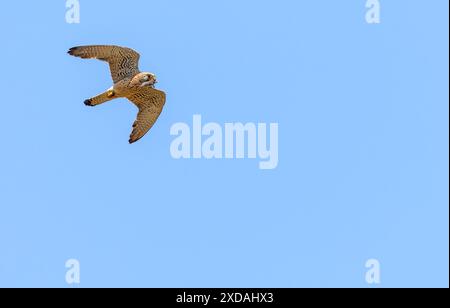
x: 129, y: 82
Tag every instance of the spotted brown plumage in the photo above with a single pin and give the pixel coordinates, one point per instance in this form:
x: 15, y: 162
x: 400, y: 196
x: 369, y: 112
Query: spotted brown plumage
x: 129, y: 82
x: 123, y: 62
x: 150, y: 103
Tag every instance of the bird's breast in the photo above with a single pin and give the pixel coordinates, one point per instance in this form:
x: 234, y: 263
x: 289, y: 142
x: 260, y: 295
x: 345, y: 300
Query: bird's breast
x: 122, y: 88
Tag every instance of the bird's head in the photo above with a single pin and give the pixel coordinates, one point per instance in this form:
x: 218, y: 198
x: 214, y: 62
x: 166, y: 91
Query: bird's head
x: 147, y: 80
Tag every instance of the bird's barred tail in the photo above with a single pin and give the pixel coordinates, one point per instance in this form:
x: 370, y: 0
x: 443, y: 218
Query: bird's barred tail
x: 100, y: 99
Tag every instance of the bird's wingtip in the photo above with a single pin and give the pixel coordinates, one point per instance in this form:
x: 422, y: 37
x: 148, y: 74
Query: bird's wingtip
x: 134, y: 139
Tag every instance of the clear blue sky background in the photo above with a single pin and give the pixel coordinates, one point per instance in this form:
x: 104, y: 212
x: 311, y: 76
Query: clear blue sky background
x: 363, y: 171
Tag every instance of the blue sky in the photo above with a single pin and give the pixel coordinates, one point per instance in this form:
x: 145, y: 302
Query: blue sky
x: 363, y: 146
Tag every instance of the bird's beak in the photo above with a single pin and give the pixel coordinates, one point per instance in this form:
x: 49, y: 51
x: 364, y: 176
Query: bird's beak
x: 148, y: 83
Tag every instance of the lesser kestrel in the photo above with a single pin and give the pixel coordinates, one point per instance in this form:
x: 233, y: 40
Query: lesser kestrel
x: 129, y: 82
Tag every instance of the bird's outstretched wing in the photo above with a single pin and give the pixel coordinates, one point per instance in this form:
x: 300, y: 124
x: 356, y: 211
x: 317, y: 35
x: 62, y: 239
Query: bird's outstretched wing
x: 150, y: 103
x: 123, y: 62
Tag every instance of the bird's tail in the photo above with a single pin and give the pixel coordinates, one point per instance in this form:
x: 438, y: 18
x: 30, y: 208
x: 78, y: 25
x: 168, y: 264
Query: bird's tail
x: 100, y: 99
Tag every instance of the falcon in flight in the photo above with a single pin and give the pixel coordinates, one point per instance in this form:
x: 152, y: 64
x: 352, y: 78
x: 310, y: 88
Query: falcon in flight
x: 129, y: 82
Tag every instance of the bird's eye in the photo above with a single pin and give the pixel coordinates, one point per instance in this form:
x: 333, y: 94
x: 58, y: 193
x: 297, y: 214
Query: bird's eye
x: 145, y: 78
